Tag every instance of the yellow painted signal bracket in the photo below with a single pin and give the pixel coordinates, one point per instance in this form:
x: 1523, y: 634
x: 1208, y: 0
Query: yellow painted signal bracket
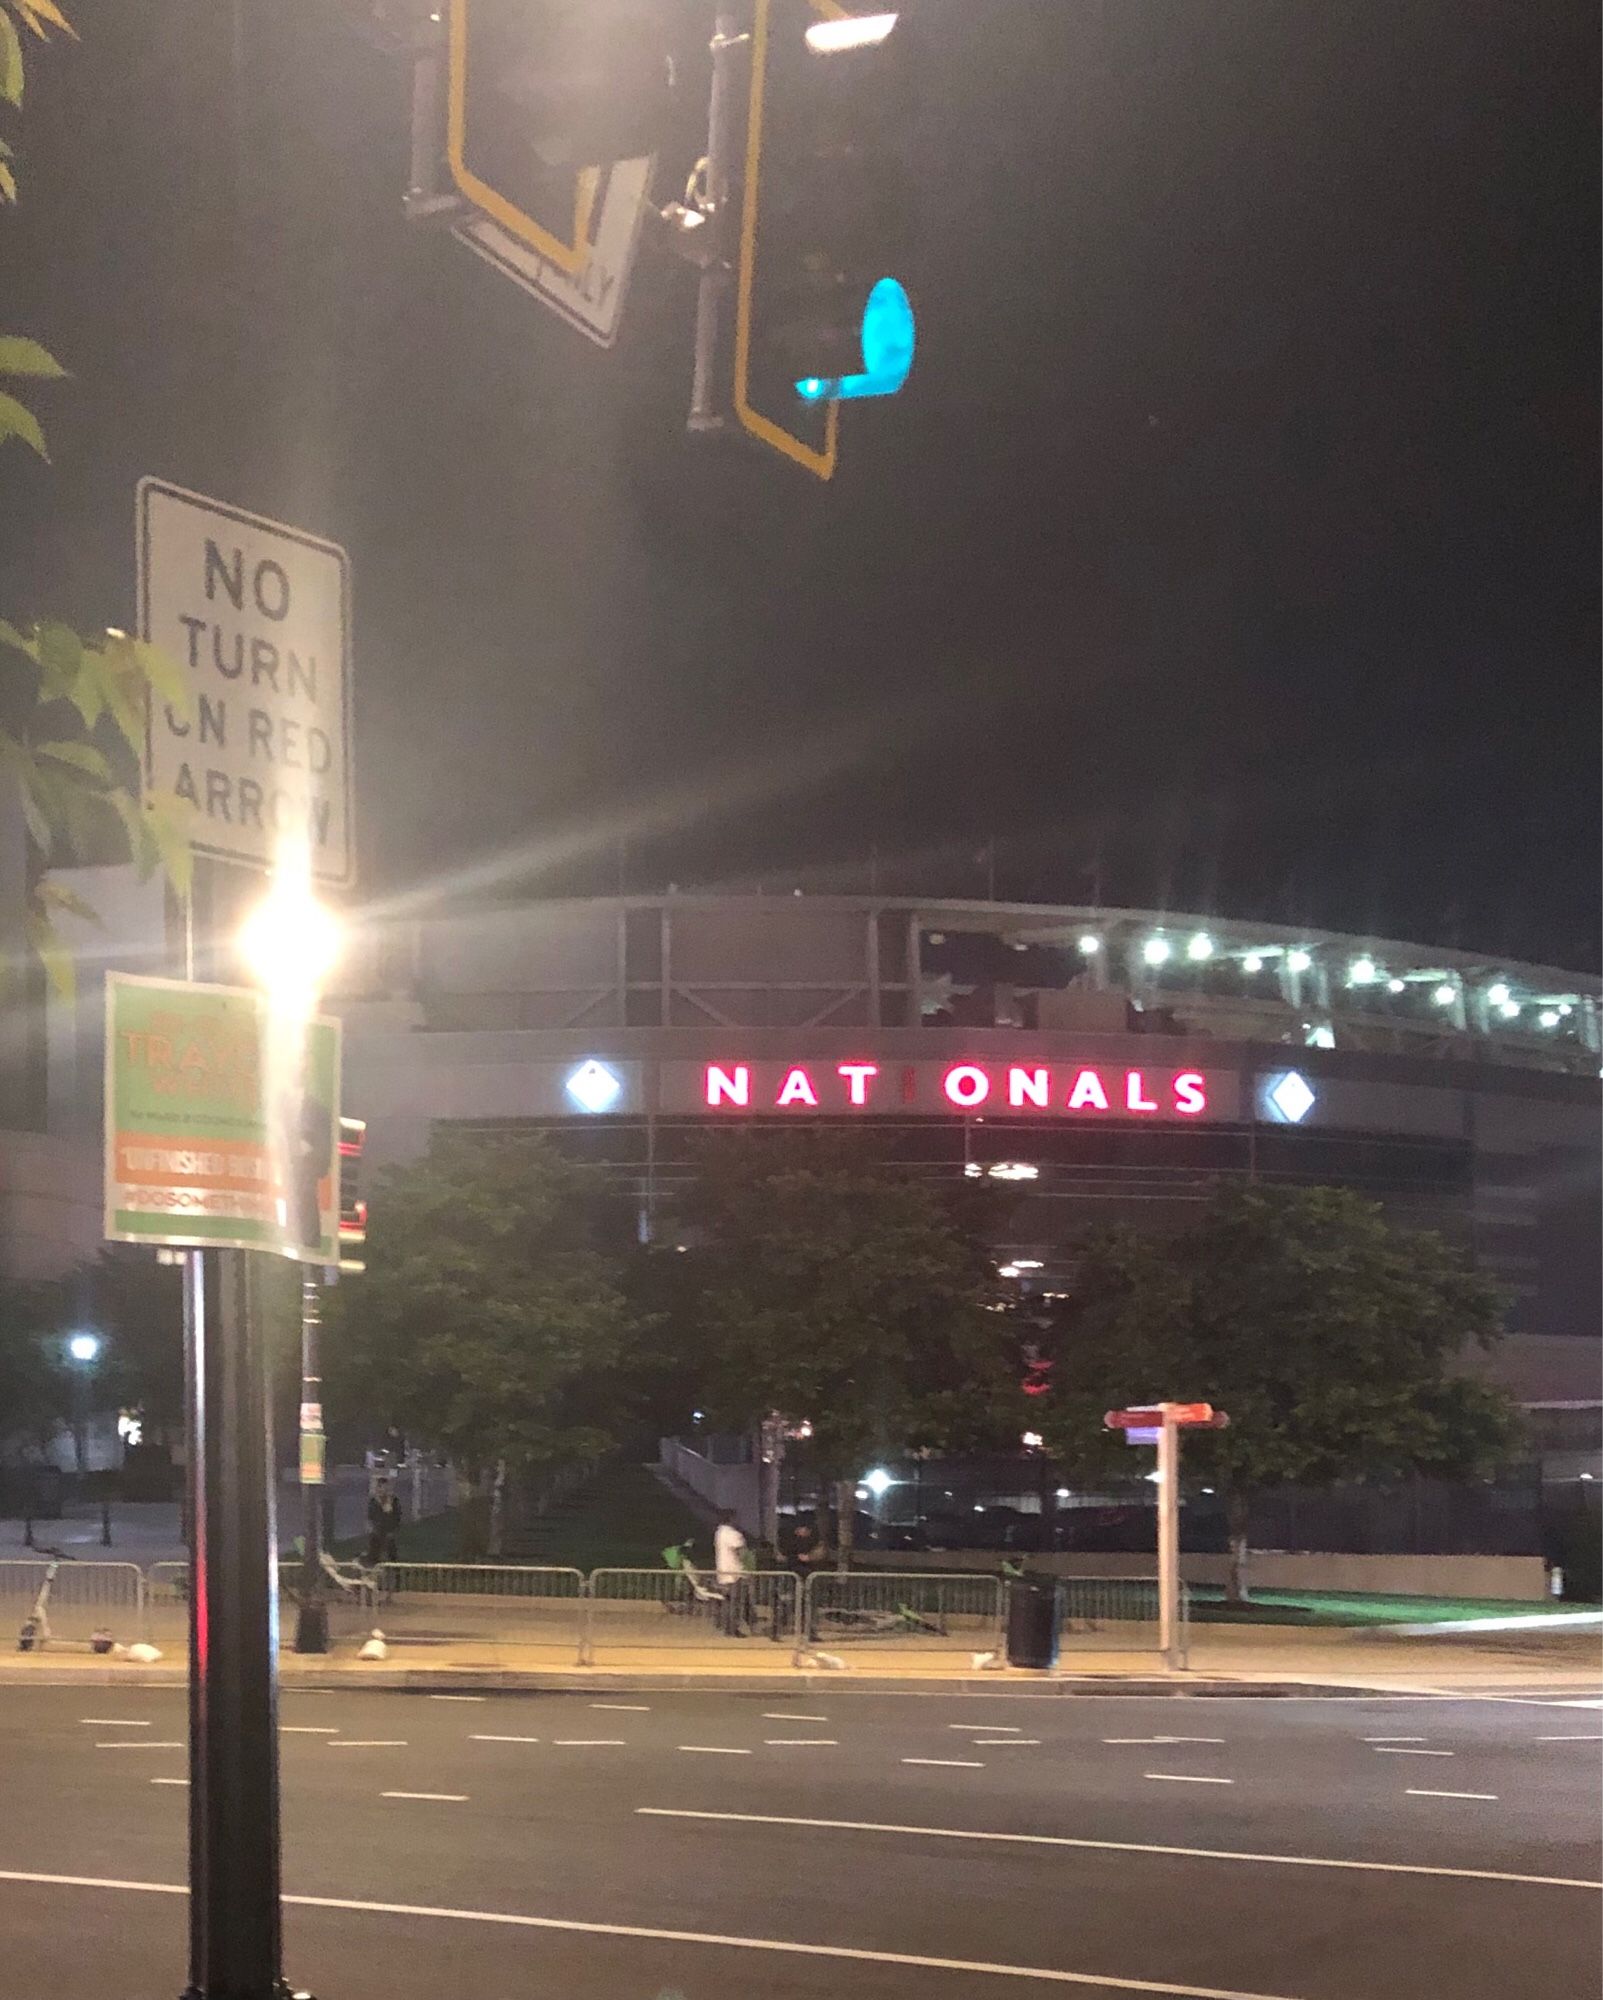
x: 569, y: 256
x: 821, y: 462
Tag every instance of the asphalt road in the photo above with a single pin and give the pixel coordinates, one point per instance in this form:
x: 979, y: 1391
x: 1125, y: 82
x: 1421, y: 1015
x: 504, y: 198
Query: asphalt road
x: 919, y: 1847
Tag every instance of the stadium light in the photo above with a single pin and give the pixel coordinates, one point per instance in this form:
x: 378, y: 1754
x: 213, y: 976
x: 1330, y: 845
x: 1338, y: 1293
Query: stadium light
x: 1396, y: 985
x: 1363, y: 971
x: 1090, y: 945
x: 1155, y: 951
x: 1299, y: 961
x: 1200, y: 947
x: 1498, y: 994
x: 1253, y: 962
x: 1548, y: 1017
x: 1509, y: 1009
x: 1445, y: 994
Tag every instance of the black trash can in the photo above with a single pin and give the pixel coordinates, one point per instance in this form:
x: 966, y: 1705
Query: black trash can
x: 1032, y: 1622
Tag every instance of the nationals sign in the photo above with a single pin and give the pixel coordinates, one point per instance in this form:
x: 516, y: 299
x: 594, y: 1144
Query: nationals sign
x: 1090, y: 1092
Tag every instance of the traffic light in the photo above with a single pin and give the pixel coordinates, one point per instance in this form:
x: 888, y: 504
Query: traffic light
x: 541, y: 93
x: 353, y: 1209
x: 825, y: 223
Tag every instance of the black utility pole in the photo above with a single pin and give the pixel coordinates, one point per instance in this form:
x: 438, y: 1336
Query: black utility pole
x: 235, y: 1944
x: 311, y: 1619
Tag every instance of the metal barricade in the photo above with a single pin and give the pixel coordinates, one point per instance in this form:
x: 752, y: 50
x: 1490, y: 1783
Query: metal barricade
x: 64, y: 1603
x: 932, y: 1612
x: 167, y: 1605
x: 502, y: 1608
x: 686, y: 1610
x: 1115, y: 1613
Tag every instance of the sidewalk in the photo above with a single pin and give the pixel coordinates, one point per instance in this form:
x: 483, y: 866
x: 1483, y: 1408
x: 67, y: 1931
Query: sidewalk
x: 1245, y: 1660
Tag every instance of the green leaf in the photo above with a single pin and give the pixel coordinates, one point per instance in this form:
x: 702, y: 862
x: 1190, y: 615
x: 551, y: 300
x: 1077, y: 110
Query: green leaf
x: 60, y: 654
x: 168, y: 822
x: 17, y: 420
x: 8, y: 183
x: 21, y: 356
x: 165, y: 677
x: 82, y: 756
x: 56, y: 896
x: 10, y: 60
x: 35, y: 11
x: 21, y: 769
x: 53, y: 956
x: 117, y: 685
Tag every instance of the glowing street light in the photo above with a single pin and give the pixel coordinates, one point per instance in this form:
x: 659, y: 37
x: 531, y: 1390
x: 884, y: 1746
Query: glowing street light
x: 290, y: 942
x: 1299, y: 961
x: 879, y: 1482
x: 1200, y: 947
x: 84, y: 1347
x: 1156, y: 951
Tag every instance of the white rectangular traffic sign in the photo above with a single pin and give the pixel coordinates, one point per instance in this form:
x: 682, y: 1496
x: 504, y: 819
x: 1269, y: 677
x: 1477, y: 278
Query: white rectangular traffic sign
x: 591, y: 297
x: 258, y: 616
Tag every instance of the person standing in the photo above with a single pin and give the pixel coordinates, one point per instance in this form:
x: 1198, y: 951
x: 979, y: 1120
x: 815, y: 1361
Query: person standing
x: 729, y: 1568
x: 383, y: 1526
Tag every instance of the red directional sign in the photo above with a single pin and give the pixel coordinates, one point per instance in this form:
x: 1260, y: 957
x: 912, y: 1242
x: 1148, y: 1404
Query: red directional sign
x: 1189, y: 1416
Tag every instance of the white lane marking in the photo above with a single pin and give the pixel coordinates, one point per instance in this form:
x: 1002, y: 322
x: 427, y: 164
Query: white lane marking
x: 1005, y: 1742
x: 113, y: 1722
x: 369, y: 1743
x: 307, y: 1729
x: 1127, y: 1847
x: 629, y: 1707
x: 1418, y: 1792
x: 781, y: 1715
x: 1184, y: 1778
x: 588, y: 1742
x: 800, y: 1742
x: 503, y: 1739
x: 1396, y: 1750
x: 1163, y: 1739
x: 1570, y: 1739
x: 713, y: 1750
x: 950, y: 1763
x: 458, y: 1697
x: 445, y: 1798
x: 1394, y: 1739
x: 917, y: 1961
x: 139, y: 1743
x: 169, y: 1781
x: 996, y: 1728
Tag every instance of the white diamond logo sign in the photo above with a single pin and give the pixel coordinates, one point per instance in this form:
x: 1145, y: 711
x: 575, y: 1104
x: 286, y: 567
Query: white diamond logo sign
x: 594, y: 1087
x: 1292, y: 1097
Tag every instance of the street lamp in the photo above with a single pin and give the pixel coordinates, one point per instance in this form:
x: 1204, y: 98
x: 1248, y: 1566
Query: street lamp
x: 291, y: 943
x: 83, y: 1350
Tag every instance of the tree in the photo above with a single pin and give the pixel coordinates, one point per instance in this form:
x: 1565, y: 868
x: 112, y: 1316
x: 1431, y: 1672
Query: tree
x: 1327, y: 1333
x: 831, y: 1290
x: 72, y: 712
x: 35, y: 1392
x: 488, y: 1325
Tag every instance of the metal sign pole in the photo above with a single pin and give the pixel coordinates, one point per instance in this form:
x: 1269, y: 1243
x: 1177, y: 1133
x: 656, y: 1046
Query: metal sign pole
x: 311, y: 1619
x: 1169, y: 1537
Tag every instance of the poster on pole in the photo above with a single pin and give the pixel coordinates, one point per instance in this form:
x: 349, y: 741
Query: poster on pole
x: 222, y: 1121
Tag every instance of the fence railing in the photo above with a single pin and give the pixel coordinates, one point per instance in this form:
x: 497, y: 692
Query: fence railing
x: 626, y: 1608
x: 904, y: 1611
x: 611, y: 1612
x: 69, y: 1602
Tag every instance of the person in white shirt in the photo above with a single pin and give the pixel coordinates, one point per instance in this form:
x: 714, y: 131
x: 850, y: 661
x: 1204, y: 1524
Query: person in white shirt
x: 729, y: 1566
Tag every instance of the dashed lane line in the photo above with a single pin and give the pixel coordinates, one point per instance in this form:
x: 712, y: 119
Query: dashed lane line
x: 950, y: 1763
x: 368, y: 1743
x: 139, y: 1743
x: 459, y: 1697
x: 714, y: 1750
x: 793, y: 1947
x: 783, y: 1715
x: 588, y: 1742
x: 1128, y: 1847
x: 1149, y: 1740
x: 1397, y: 1750
x: 803, y: 1742
x: 1394, y: 1739
x: 307, y: 1729
x: 113, y: 1722
x: 628, y: 1707
x: 1422, y: 1793
x: 996, y: 1728
x: 169, y: 1781
x: 503, y: 1739
x: 1185, y: 1778
x: 1570, y: 1739
x: 442, y: 1798
x: 1005, y: 1742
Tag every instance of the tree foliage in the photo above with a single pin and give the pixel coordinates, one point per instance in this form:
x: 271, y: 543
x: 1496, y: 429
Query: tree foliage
x: 834, y: 1291
x: 488, y: 1324
x: 72, y: 711
x: 1327, y: 1333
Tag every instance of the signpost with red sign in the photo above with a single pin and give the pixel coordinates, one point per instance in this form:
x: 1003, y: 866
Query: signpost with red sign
x: 1162, y: 1423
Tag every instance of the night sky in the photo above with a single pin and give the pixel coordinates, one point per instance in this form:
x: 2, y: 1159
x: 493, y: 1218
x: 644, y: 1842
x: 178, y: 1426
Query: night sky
x: 1234, y: 547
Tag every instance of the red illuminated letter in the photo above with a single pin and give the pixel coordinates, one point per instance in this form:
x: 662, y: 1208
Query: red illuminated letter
x: 724, y: 1087
x: 1190, y: 1093
x: 797, y: 1089
x: 1088, y: 1090
x: 1133, y: 1092
x: 967, y: 1086
x: 1028, y: 1086
x: 857, y: 1075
